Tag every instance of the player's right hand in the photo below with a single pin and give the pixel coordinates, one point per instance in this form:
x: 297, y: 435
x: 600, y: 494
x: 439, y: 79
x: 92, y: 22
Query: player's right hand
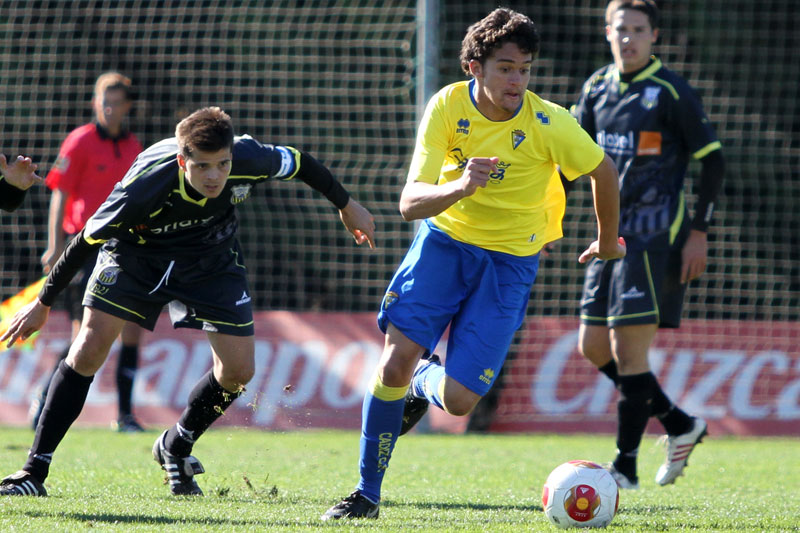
x: 476, y: 173
x: 26, y: 322
x: 617, y: 251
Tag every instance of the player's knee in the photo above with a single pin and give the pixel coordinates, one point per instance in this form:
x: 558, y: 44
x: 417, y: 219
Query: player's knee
x: 396, y: 369
x: 87, y: 357
x: 235, y: 378
x: 460, y: 404
x: 85, y: 364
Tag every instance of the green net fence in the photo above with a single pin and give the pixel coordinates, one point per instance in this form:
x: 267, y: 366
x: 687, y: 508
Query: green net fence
x: 338, y: 78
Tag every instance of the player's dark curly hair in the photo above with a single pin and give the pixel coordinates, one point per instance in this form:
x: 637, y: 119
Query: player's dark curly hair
x: 648, y: 7
x: 499, y: 27
x: 209, y: 129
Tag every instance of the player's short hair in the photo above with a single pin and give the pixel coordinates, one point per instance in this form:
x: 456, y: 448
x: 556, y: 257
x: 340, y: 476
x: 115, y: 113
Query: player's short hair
x: 209, y: 129
x: 648, y: 7
x: 499, y: 27
x: 113, y: 81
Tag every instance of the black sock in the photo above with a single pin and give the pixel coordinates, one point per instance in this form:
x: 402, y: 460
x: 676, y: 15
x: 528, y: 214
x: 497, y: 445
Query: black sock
x: 633, y: 411
x: 126, y: 371
x: 207, y: 401
x: 43, y: 396
x: 610, y: 370
x: 674, y: 420
x: 65, y: 399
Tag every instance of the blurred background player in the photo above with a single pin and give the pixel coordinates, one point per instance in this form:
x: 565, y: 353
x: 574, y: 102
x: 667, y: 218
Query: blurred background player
x: 168, y: 233
x: 92, y: 159
x: 15, y: 180
x: 651, y: 122
x: 484, y: 179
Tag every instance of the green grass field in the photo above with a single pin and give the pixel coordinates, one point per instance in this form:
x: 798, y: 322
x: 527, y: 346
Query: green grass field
x: 262, y: 481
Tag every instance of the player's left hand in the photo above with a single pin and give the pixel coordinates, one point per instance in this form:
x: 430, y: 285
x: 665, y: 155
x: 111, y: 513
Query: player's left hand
x: 26, y: 322
x: 694, y: 256
x: 359, y: 222
x: 21, y: 173
x: 607, y: 253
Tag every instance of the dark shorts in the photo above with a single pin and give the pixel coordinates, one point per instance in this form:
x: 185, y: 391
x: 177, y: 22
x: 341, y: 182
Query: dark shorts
x: 641, y: 288
x: 73, y: 293
x: 208, y: 293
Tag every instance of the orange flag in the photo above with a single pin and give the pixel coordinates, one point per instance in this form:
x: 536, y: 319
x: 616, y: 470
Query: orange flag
x: 9, y: 308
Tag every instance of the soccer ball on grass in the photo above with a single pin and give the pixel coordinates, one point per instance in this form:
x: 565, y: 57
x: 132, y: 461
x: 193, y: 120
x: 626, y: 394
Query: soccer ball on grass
x: 580, y: 494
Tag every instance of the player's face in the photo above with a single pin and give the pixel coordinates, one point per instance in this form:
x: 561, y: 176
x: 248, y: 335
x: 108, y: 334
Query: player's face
x: 501, y: 81
x: 111, y: 109
x: 631, y: 38
x: 207, y: 172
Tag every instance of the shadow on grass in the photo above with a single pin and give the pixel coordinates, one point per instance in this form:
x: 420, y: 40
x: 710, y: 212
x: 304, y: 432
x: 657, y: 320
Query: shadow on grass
x: 464, y: 506
x: 112, y: 518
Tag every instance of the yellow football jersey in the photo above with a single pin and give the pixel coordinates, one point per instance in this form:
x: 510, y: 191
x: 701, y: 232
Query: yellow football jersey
x: 521, y: 208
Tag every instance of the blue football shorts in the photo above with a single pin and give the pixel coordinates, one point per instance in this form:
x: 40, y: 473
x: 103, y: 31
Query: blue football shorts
x: 209, y: 293
x: 480, y: 293
x: 641, y: 288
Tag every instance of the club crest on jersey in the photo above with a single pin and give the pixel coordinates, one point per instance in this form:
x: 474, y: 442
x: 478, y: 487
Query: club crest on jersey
x: 108, y: 276
x: 463, y: 126
x: 517, y: 136
x: 240, y: 193
x: 650, y: 97
x: 389, y: 299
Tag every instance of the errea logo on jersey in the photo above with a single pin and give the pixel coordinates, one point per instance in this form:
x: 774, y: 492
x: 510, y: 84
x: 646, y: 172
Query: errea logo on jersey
x: 488, y: 376
x: 463, y: 126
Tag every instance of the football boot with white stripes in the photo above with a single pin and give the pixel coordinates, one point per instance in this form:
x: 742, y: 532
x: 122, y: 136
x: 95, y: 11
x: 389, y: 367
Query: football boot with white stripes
x: 180, y: 470
x: 22, y: 483
x: 678, y: 449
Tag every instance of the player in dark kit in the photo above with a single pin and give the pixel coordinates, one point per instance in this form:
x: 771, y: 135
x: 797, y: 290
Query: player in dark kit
x: 167, y: 233
x: 650, y: 122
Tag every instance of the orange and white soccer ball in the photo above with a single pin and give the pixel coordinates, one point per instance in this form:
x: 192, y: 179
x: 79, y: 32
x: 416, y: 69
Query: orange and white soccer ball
x: 580, y: 494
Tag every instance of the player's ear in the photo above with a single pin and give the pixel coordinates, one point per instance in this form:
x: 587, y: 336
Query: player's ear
x: 608, y: 33
x: 655, y: 35
x: 181, y: 161
x: 475, y: 68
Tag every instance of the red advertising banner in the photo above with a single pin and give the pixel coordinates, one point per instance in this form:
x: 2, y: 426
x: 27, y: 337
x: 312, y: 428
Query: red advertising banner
x: 742, y: 377
x: 312, y: 369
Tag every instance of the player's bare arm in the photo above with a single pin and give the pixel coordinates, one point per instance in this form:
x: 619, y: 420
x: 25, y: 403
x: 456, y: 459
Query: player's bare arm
x: 422, y: 200
x: 21, y: 172
x: 605, y: 192
x: 55, y: 231
x: 694, y: 256
x: 359, y: 222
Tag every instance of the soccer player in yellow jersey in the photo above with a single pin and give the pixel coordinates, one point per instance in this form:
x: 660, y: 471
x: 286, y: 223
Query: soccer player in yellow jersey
x: 484, y: 178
